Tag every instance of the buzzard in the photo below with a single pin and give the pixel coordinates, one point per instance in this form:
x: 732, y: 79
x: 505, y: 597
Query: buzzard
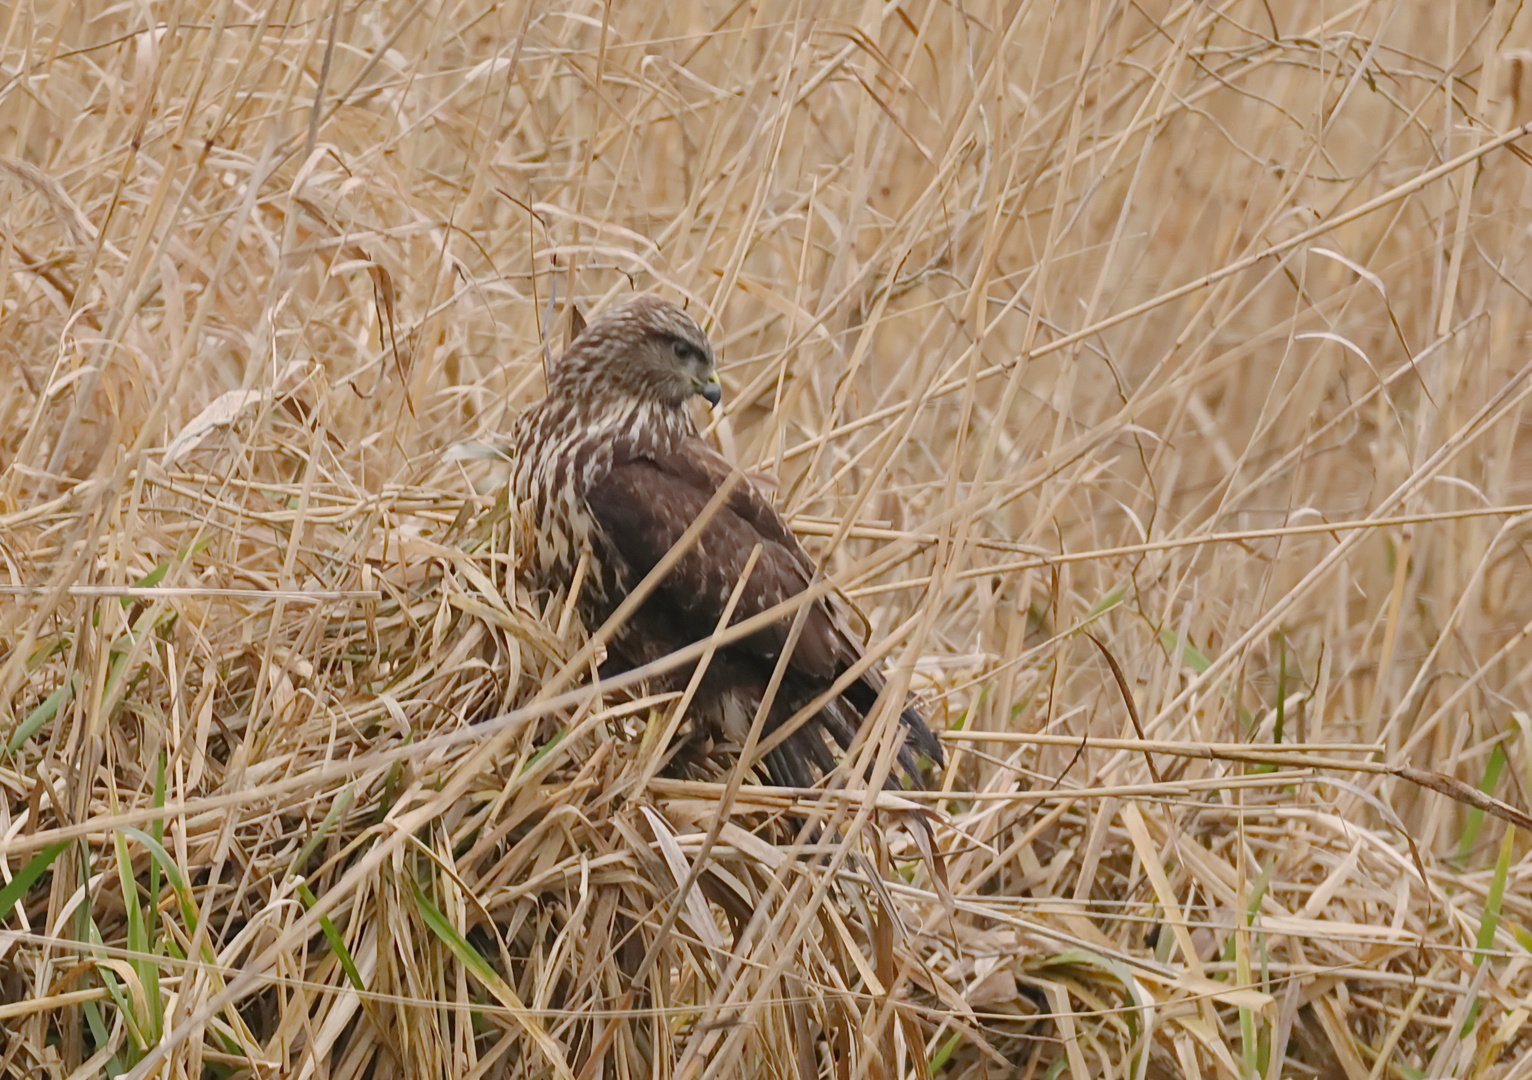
x: 609, y: 463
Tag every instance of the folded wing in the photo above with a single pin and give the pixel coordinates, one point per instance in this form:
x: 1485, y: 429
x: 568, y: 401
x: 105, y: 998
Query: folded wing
x: 644, y: 505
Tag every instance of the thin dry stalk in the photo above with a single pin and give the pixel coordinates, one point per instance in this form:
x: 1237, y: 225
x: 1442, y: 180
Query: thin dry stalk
x: 1198, y: 330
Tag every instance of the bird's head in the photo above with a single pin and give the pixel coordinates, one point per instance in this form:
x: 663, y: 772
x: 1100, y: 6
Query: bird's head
x: 647, y: 347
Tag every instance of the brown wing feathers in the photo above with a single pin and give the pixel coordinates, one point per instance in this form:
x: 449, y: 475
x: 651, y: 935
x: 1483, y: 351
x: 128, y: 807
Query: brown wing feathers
x: 644, y: 504
x: 643, y: 507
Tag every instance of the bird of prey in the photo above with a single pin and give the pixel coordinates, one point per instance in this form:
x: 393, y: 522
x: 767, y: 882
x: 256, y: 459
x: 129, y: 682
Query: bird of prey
x: 610, y: 466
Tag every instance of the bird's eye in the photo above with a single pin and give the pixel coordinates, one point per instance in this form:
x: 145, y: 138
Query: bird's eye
x: 683, y: 351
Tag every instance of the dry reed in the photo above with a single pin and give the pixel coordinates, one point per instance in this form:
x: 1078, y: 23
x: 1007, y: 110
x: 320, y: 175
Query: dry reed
x: 1199, y: 329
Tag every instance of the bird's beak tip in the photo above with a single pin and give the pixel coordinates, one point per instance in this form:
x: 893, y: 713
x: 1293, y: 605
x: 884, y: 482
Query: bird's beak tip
x: 711, y: 391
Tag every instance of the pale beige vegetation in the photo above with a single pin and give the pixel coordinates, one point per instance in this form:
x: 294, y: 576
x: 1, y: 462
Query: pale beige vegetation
x: 1202, y: 329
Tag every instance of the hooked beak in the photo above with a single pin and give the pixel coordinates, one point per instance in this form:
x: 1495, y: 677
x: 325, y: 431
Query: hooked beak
x: 710, y: 389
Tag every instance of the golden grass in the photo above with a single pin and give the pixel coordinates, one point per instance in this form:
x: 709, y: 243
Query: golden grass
x: 1199, y: 329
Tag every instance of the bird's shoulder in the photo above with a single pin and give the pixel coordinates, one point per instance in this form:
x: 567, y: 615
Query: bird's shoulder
x: 690, y: 465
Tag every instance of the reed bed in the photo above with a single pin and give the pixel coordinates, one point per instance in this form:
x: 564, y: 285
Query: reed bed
x: 1154, y: 376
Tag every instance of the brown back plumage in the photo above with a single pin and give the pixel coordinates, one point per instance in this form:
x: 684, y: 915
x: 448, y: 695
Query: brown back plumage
x: 610, y: 462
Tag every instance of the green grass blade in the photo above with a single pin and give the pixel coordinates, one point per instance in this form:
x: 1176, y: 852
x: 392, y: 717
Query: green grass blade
x: 332, y: 935
x: 17, y: 887
x: 42, y: 714
x: 1475, y: 818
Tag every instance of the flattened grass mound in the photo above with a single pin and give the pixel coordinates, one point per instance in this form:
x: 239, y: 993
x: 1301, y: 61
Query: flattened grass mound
x: 1196, y: 331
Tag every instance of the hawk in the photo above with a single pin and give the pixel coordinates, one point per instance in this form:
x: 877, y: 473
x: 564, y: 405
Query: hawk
x: 609, y: 463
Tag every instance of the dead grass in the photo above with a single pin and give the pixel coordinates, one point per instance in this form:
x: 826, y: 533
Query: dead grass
x: 1201, y: 329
